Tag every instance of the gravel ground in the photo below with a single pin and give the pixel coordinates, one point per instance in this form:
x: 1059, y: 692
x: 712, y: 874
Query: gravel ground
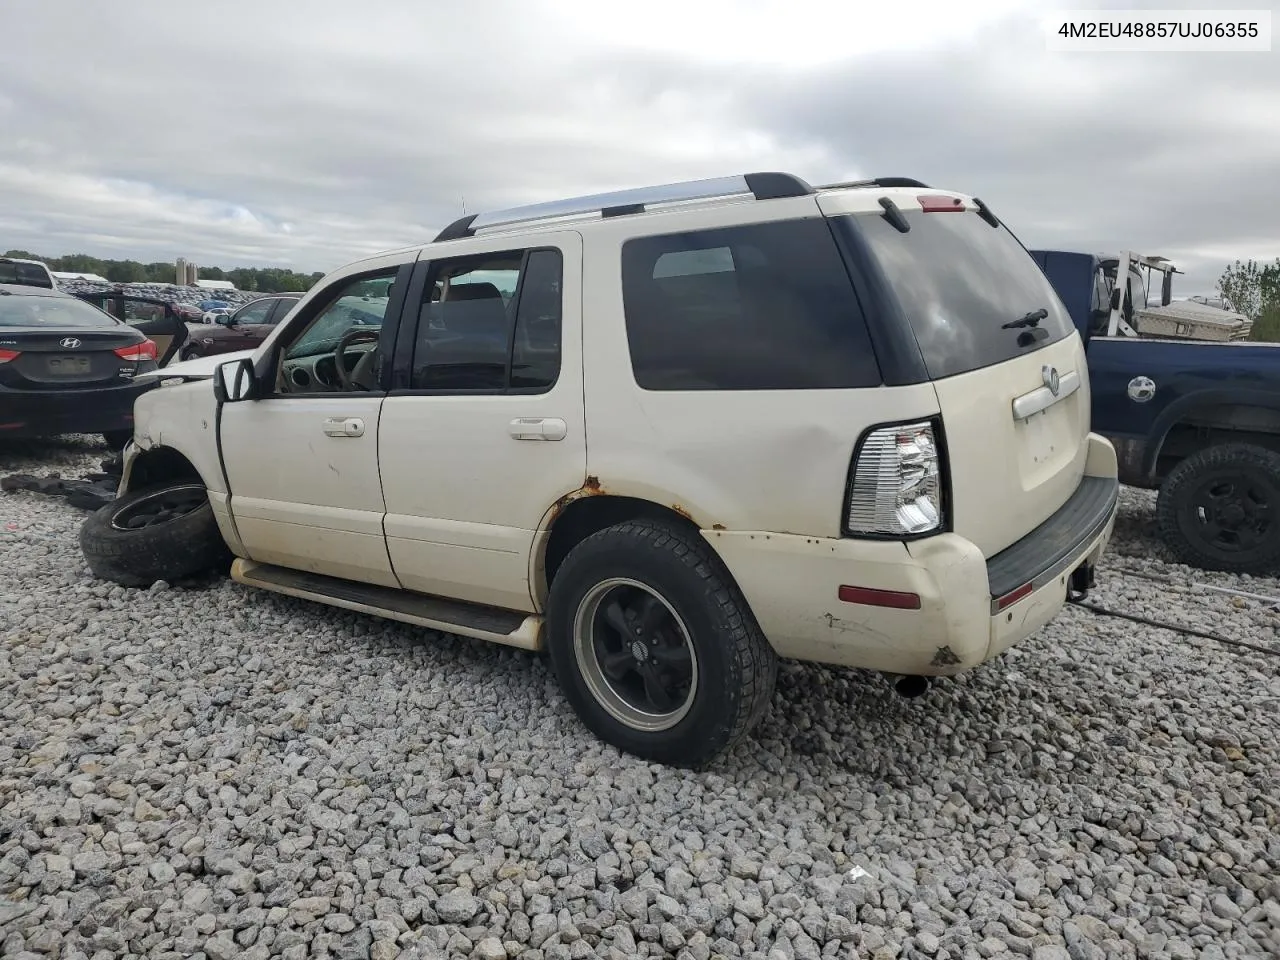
x: 203, y: 770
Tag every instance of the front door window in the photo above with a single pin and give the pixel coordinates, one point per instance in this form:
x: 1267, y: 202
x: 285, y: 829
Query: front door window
x: 337, y: 352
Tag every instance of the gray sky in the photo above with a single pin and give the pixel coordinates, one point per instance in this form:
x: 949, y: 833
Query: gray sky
x: 305, y: 134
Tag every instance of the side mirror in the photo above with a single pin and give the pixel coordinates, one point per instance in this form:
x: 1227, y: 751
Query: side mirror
x: 225, y: 320
x: 235, y: 381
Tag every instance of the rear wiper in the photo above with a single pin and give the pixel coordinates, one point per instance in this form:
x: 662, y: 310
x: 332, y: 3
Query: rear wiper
x: 1030, y: 320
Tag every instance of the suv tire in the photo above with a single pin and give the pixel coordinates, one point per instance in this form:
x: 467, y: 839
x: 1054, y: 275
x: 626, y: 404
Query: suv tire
x: 1219, y: 509
x: 690, y: 639
x: 161, y: 533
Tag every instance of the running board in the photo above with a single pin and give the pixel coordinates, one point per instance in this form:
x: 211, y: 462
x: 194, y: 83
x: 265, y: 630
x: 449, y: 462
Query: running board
x: 449, y: 616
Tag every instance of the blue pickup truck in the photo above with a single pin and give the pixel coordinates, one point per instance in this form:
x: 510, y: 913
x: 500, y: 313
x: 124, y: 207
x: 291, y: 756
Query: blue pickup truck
x: 1192, y: 409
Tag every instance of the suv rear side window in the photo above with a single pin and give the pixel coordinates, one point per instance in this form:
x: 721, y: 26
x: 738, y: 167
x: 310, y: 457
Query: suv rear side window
x: 958, y: 279
x: 761, y: 307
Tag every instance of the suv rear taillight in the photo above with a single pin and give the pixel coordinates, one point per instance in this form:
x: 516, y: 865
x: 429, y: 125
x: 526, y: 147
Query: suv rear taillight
x: 7, y: 355
x: 137, y: 352
x: 896, y: 488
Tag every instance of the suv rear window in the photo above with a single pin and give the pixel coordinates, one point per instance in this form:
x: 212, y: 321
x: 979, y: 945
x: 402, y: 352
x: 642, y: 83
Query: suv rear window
x: 25, y: 274
x: 958, y: 279
x: 761, y: 307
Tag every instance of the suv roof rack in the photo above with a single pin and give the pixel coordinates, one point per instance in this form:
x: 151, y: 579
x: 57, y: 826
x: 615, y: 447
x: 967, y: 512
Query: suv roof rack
x: 760, y: 186
x: 885, y: 182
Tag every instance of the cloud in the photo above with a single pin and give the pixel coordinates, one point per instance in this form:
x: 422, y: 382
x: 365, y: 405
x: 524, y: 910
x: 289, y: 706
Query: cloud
x: 309, y: 134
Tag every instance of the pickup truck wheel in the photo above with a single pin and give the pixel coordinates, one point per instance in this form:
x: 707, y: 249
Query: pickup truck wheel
x: 162, y: 533
x: 655, y: 647
x: 1219, y: 509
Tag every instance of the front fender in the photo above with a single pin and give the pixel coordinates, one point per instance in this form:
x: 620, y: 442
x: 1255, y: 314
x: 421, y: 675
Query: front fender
x: 179, y: 423
x: 183, y: 418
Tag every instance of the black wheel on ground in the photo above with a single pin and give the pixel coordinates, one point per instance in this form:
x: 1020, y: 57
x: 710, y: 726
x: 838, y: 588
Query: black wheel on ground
x: 162, y: 533
x: 116, y: 439
x: 1219, y: 509
x: 655, y: 647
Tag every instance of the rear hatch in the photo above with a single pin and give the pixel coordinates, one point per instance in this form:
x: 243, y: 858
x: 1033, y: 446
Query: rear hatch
x: 1002, y: 354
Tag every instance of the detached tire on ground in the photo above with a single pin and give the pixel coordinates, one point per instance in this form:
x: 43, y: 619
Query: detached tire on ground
x: 654, y: 645
x: 1219, y: 509
x: 162, y: 533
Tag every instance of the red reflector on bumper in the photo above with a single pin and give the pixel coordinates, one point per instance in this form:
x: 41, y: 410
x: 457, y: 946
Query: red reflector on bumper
x: 880, y: 598
x: 1013, y: 596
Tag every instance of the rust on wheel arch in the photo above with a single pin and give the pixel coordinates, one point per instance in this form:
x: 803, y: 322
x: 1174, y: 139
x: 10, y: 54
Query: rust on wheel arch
x: 590, y: 488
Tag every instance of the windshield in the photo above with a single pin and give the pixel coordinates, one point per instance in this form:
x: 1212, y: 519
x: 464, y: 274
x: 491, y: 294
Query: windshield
x: 959, y: 280
x: 51, y: 312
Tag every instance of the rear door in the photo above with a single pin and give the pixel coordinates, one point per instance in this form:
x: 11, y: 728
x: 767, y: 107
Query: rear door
x: 1005, y: 360
x: 488, y: 429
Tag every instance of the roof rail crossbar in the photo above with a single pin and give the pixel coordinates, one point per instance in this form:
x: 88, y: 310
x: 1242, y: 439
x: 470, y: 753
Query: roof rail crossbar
x: 761, y: 186
x: 885, y: 182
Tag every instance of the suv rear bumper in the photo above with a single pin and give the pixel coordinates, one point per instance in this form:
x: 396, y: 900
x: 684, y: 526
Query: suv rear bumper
x: 793, y: 584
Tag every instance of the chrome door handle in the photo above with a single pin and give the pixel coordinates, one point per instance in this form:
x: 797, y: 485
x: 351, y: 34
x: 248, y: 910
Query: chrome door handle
x: 538, y: 428
x: 344, y: 427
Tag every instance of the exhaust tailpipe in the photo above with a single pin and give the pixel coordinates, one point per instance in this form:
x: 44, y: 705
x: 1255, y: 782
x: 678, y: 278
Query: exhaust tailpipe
x: 911, y: 687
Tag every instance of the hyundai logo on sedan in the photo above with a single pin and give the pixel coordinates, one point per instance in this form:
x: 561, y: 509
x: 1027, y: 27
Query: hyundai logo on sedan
x: 69, y: 342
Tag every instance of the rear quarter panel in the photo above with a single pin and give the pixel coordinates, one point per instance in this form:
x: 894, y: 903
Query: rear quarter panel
x: 1187, y: 375
x: 768, y: 460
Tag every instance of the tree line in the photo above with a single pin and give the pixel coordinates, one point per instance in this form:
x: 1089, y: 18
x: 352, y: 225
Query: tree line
x: 1254, y: 290
x: 263, y: 280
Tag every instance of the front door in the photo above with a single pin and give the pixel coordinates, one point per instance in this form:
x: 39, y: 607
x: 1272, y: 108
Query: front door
x: 489, y: 430
x: 302, y: 462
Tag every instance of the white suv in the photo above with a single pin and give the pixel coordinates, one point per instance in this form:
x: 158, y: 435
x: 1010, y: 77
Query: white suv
x: 667, y: 435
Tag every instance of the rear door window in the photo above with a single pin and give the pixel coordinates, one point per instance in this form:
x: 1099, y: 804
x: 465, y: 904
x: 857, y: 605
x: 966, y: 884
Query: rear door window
x: 761, y: 307
x: 958, y: 280
x: 281, y: 310
x: 490, y: 323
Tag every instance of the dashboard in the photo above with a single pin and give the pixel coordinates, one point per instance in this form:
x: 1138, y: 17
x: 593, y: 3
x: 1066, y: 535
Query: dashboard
x: 320, y: 371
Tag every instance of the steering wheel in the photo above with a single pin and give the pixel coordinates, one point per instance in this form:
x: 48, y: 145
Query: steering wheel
x: 350, y: 339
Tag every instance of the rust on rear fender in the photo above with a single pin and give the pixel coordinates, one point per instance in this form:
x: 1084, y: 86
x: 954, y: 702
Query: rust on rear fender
x: 590, y: 488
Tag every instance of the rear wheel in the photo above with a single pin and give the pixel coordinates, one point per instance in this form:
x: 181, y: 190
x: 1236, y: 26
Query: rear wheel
x: 1220, y: 509
x: 655, y: 647
x: 162, y: 533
